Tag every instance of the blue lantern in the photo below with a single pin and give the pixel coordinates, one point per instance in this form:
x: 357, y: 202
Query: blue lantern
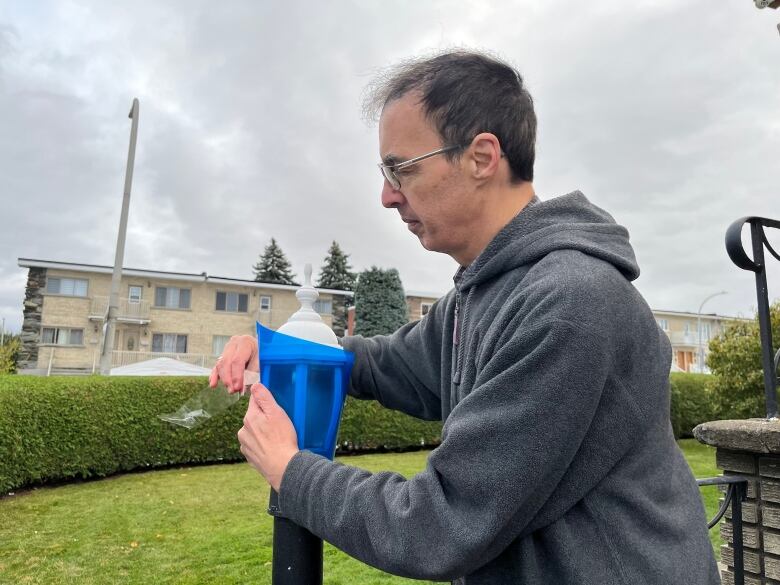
x: 307, y: 372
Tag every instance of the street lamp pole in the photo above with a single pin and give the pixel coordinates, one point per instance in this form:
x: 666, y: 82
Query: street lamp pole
x: 113, y: 301
x: 698, y: 327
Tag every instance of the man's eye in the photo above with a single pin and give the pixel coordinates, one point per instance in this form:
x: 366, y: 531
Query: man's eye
x: 404, y: 171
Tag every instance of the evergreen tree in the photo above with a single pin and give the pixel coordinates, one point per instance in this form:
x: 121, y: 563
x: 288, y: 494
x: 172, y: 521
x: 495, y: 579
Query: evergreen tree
x: 273, y: 266
x: 335, y: 273
x: 380, y: 303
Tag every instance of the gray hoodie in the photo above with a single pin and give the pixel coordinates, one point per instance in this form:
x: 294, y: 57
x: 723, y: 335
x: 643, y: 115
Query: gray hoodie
x: 557, y: 463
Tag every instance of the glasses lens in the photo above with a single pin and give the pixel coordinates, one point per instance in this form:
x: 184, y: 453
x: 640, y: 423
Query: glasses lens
x: 390, y: 176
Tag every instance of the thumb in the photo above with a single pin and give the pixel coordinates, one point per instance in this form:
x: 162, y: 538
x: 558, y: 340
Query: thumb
x: 263, y: 398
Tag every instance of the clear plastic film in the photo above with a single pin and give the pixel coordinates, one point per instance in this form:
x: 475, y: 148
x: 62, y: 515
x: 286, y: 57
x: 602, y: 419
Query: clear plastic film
x: 207, y: 404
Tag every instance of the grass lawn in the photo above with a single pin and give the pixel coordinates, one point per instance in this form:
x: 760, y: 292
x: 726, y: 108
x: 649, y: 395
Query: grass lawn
x: 190, y: 525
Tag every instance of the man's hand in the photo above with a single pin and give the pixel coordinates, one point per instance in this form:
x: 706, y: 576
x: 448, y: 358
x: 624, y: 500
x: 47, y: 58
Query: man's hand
x: 268, y: 439
x: 239, y: 354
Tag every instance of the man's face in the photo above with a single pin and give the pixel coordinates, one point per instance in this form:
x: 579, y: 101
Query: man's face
x: 434, y: 199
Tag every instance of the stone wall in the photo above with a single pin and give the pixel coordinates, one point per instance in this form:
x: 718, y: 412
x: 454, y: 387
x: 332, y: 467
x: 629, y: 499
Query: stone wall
x: 31, y: 323
x: 750, y: 448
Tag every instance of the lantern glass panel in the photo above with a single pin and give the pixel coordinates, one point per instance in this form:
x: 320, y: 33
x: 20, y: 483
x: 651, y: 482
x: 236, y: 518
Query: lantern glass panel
x: 282, y: 380
x: 319, y: 405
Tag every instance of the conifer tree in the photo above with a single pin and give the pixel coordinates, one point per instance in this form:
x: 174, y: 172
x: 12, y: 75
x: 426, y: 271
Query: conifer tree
x: 273, y: 266
x: 336, y: 274
x: 380, y: 303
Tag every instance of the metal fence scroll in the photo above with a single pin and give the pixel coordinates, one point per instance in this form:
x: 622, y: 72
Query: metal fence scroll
x: 735, y: 495
x: 757, y: 265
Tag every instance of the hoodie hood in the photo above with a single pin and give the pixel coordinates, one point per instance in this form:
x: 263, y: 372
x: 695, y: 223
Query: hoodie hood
x: 570, y: 222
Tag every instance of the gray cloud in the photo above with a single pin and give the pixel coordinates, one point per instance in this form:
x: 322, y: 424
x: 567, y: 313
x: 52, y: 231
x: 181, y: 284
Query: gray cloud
x: 664, y: 113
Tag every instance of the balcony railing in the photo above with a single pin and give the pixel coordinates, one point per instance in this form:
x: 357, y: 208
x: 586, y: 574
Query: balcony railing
x: 136, y: 311
x: 691, y: 339
x: 125, y: 358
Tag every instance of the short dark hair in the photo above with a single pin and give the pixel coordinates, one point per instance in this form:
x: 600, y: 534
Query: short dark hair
x: 464, y: 93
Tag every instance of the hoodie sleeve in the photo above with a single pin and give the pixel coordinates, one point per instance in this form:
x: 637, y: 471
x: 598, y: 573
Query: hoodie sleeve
x: 401, y: 371
x: 500, y: 462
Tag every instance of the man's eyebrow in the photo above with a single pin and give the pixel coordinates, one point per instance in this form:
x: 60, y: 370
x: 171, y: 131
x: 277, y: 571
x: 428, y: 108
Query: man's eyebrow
x: 391, y: 159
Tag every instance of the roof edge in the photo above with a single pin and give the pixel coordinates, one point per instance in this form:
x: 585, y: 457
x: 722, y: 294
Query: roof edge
x: 186, y: 276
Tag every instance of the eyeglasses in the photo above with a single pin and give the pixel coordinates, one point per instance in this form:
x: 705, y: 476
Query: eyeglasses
x: 389, y: 171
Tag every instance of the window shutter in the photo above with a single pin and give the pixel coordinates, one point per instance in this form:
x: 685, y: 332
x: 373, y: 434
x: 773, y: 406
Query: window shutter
x: 159, y: 299
x: 53, y: 285
x: 243, y: 302
x: 181, y: 344
x: 220, y: 301
x: 157, y: 342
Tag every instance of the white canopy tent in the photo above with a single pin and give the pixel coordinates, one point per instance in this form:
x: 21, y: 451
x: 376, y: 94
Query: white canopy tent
x: 162, y: 366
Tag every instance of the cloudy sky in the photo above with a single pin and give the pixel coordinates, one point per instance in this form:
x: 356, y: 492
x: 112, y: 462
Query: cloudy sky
x: 665, y: 113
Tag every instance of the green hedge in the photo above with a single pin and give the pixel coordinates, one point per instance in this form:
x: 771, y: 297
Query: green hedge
x: 692, y: 402
x: 59, y: 428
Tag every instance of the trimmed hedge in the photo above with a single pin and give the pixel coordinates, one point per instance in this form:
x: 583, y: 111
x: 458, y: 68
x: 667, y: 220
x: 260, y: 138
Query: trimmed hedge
x: 692, y: 402
x: 58, y: 428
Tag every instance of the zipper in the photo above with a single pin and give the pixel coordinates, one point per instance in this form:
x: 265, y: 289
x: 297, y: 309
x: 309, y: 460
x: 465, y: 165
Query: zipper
x: 456, y: 339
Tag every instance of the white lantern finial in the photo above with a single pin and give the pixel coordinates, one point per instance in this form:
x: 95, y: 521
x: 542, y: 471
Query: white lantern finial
x: 306, y: 323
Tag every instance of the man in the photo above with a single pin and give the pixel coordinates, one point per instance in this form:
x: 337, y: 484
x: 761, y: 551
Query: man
x: 557, y: 463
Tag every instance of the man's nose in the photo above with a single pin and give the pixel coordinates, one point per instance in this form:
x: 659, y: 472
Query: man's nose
x: 391, y: 198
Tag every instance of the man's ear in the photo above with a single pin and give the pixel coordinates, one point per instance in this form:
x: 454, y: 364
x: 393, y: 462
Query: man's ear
x: 485, y: 155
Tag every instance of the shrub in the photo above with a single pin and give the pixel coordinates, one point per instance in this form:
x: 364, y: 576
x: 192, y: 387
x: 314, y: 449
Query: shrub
x: 367, y: 425
x: 9, y: 352
x: 735, y: 360
x: 78, y: 427
x: 692, y: 402
x: 68, y: 427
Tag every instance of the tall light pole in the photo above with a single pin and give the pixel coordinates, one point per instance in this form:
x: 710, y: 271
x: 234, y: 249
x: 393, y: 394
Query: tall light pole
x: 2, y: 334
x: 116, y: 277
x: 698, y: 327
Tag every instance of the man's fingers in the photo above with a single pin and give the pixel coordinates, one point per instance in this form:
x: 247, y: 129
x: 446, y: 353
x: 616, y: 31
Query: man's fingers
x: 263, y: 398
x: 214, y: 377
x: 237, y: 367
x: 252, y: 408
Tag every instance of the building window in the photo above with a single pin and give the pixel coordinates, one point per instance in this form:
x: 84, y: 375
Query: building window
x: 71, y: 287
x: 265, y: 303
x: 663, y: 324
x: 323, y: 306
x: 232, y: 302
x: 62, y: 336
x: 169, y: 343
x: 171, y: 297
x: 687, y: 328
x: 218, y: 344
x: 424, y: 308
x: 705, y: 331
x: 134, y: 294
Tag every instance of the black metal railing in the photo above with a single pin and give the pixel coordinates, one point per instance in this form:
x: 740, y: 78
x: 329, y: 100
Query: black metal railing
x: 735, y: 495
x: 758, y: 265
